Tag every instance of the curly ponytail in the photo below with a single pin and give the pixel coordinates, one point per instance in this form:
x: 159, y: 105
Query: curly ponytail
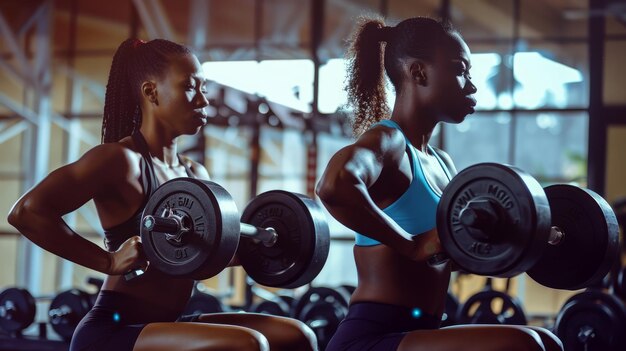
x: 133, y: 63
x: 366, y: 79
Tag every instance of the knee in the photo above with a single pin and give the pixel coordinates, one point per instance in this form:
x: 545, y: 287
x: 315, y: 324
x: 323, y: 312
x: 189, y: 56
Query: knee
x: 298, y: 335
x: 525, y: 340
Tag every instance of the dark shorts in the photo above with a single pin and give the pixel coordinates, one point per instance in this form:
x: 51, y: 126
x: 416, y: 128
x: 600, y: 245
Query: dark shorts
x: 377, y: 326
x: 114, y: 323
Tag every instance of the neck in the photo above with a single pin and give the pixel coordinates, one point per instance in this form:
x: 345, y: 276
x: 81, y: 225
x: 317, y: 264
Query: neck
x: 416, y: 122
x: 162, y: 148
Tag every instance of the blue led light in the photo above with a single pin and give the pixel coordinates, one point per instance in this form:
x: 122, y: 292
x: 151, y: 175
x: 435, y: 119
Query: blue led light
x: 416, y: 313
x: 116, y: 317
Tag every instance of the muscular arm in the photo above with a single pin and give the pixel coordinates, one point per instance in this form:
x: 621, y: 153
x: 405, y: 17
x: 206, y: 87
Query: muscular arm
x: 344, y: 186
x: 38, y: 213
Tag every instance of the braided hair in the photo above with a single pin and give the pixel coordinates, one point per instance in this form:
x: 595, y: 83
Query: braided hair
x: 133, y: 63
x: 376, y: 49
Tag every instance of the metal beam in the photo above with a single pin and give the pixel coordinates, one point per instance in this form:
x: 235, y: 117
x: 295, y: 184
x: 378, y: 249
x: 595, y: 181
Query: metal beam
x: 154, y: 19
x: 596, y: 160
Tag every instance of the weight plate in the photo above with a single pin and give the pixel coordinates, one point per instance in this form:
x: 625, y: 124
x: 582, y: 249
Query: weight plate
x: 303, y: 241
x: 322, y: 309
x: 491, y: 307
x: 17, y: 310
x: 592, y: 320
x: 200, y: 303
x: 66, y: 310
x: 211, y: 215
x: 274, y: 308
x: 511, y: 239
x: 590, y: 243
x: 620, y: 284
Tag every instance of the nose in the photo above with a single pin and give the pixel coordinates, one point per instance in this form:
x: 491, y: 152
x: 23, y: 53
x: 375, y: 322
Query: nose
x: 201, y: 100
x: 471, y: 87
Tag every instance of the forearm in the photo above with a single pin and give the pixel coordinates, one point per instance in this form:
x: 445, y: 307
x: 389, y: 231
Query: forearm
x: 55, y: 236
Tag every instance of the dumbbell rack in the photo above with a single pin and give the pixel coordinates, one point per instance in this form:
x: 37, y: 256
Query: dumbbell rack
x: 18, y: 311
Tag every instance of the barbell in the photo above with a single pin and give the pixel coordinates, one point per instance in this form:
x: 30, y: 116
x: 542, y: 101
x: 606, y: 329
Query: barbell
x: 191, y: 228
x: 497, y: 220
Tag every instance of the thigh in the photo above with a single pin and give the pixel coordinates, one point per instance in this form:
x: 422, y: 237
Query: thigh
x: 198, y: 337
x: 99, y: 331
x: 473, y: 338
x: 282, y: 333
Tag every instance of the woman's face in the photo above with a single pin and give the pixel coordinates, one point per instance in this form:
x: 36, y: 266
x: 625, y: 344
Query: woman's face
x: 181, y: 96
x: 451, y: 88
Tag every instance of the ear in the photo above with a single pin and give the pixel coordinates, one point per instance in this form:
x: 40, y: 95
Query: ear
x: 149, y: 91
x: 417, y: 70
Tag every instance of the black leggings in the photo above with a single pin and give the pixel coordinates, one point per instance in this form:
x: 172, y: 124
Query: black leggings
x: 377, y: 326
x: 115, y: 321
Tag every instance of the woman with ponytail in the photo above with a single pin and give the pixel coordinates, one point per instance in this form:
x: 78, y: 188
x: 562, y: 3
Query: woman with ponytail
x: 155, y: 93
x: 387, y: 184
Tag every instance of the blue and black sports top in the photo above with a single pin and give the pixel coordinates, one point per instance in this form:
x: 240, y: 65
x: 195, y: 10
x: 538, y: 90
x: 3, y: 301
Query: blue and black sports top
x: 415, y: 210
x: 116, y: 236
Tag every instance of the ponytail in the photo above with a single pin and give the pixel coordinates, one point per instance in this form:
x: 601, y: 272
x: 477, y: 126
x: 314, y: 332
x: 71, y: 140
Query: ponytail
x: 366, y: 77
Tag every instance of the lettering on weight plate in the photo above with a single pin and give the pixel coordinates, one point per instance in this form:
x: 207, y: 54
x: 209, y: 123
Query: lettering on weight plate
x: 501, y: 195
x: 198, y: 223
x: 180, y: 254
x: 275, y: 212
x: 479, y: 248
x: 459, y: 204
x: 184, y: 201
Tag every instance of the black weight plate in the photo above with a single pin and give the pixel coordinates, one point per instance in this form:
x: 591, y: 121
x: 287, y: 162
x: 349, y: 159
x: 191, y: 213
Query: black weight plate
x: 303, y: 241
x: 212, y: 215
x: 349, y: 288
x: 322, y: 309
x: 602, y: 316
x: 200, y: 303
x: 320, y: 293
x: 590, y: 244
x: 17, y: 310
x: 491, y: 307
x: 524, y: 218
x: 323, y: 318
x: 66, y: 310
x: 275, y: 308
x: 620, y: 284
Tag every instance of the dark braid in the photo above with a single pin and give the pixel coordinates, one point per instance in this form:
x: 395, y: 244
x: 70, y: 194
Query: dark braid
x: 375, y: 47
x: 133, y: 63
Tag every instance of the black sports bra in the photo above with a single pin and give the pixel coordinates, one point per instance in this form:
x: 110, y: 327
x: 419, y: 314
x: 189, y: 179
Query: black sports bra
x: 114, y: 237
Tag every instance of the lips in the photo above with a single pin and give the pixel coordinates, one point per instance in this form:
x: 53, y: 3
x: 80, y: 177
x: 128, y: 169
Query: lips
x: 471, y: 101
x: 201, y: 116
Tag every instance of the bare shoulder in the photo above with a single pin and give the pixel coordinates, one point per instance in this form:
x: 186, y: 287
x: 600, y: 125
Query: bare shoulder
x: 115, y: 161
x: 196, y: 168
x: 386, y: 142
x: 447, y: 160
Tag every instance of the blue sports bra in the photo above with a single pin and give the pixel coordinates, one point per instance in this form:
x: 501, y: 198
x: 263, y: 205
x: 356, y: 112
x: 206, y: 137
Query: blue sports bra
x: 415, y: 210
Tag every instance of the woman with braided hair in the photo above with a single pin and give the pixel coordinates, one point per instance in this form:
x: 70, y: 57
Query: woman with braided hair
x: 387, y: 184
x: 155, y: 93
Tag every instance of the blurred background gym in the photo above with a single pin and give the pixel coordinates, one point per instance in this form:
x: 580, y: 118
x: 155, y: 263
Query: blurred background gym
x: 551, y: 101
